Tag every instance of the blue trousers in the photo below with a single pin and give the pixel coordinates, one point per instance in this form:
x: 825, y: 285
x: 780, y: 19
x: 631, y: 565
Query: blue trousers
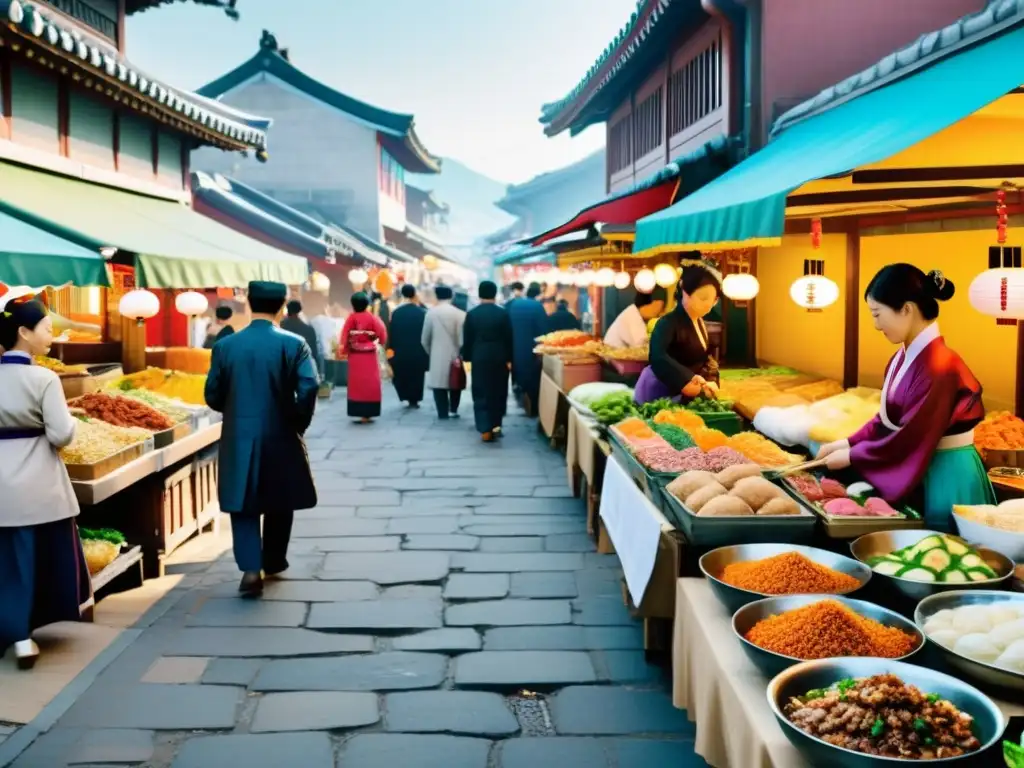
x: 266, y: 551
x: 43, y: 578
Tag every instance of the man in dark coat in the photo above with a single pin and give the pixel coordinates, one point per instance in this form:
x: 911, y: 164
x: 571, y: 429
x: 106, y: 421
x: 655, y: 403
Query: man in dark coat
x: 265, y: 383
x: 487, y: 347
x: 295, y: 324
x: 529, y: 320
x: 562, y: 319
x: 221, y: 329
x: 409, y: 361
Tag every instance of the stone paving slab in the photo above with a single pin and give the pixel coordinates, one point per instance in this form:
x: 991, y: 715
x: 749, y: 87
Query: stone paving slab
x: 567, y: 752
x: 567, y: 638
x: 411, y: 592
x: 627, y: 667
x: 425, y: 525
x: 460, y: 713
x: 588, y: 710
x: 447, y: 640
x: 512, y: 544
x: 110, y: 746
x: 513, y: 670
x: 441, y: 543
x: 233, y: 612
x: 569, y: 542
x: 308, y: 750
x: 328, y: 484
x: 269, y: 642
x: 158, y: 707
x: 478, y: 562
x: 356, y: 544
x: 395, y: 671
x: 313, y: 591
x: 315, y: 711
x: 540, y: 584
x: 476, y: 586
x: 232, y: 671
x: 504, y: 613
x: 387, y: 567
x: 374, y: 616
x: 343, y: 526
x: 508, y: 528
x: 378, y: 750
x: 601, y: 611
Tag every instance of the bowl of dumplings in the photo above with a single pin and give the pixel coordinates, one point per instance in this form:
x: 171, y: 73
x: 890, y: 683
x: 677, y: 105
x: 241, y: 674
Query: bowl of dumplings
x: 998, y: 527
x: 979, y: 632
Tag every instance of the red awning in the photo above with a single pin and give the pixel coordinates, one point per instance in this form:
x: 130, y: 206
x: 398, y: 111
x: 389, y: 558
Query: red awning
x: 624, y: 209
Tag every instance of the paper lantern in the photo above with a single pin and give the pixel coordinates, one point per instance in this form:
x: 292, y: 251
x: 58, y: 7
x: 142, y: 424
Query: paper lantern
x: 384, y: 283
x: 605, y: 277
x: 430, y: 262
x: 585, y: 278
x: 645, y: 281
x: 622, y: 280
x: 319, y: 282
x: 357, y: 276
x: 999, y: 293
x: 190, y: 303
x: 139, y: 305
x: 740, y: 287
x: 665, y: 275
x: 814, y: 292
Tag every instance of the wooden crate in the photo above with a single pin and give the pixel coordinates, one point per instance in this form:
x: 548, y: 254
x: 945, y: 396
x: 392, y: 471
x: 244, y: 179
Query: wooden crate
x: 178, y: 510
x: 107, y: 465
x: 205, y: 473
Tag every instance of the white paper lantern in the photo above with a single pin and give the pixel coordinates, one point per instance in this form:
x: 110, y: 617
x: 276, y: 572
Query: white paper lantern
x: 999, y: 293
x: 605, y: 277
x: 319, y: 282
x: 622, y: 280
x: 357, y: 276
x: 665, y: 275
x: 645, y: 281
x: 740, y: 287
x: 191, y: 303
x: 814, y: 292
x: 139, y: 305
x: 585, y: 278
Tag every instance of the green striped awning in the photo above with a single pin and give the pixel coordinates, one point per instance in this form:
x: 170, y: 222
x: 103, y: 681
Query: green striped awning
x: 32, y: 256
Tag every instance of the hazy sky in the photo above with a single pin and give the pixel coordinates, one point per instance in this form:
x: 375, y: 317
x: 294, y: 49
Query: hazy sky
x: 473, y: 72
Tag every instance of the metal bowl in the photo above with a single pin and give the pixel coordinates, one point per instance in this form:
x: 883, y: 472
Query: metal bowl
x: 978, y: 670
x: 713, y: 563
x: 886, y: 542
x: 771, y: 663
x: 806, y: 676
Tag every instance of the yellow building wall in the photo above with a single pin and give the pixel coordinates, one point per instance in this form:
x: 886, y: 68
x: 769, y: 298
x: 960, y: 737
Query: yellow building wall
x: 791, y: 336
x: 989, y: 350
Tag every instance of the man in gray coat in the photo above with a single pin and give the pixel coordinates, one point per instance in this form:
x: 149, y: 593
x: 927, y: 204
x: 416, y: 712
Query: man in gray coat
x: 265, y: 383
x: 442, y: 339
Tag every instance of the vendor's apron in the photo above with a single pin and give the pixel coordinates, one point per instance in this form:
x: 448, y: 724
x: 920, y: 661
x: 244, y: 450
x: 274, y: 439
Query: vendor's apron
x: 955, y: 475
x: 650, y: 388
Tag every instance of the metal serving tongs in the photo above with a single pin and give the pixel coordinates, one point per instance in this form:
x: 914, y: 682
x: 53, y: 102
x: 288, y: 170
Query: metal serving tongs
x: 778, y: 474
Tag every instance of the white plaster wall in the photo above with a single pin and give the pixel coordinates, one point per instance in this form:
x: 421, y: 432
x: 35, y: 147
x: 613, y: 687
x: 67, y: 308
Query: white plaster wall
x: 317, y: 155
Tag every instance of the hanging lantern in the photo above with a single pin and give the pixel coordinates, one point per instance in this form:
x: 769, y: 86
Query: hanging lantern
x: 430, y: 262
x: 814, y: 291
x: 384, y: 283
x: 645, y: 281
x: 358, y: 276
x: 815, y: 234
x: 665, y: 275
x: 139, y: 305
x: 622, y: 280
x: 319, y: 282
x: 585, y: 278
x: 999, y: 290
x: 740, y: 286
x: 605, y: 277
x: 190, y: 303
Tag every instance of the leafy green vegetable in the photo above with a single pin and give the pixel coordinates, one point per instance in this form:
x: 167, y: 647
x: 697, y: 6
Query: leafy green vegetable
x: 817, y: 693
x: 846, y: 684
x: 740, y: 374
x: 877, y: 728
x: 933, y: 697
x: 675, y: 436
x: 921, y: 726
x: 614, y: 407
x: 1013, y: 754
x: 103, y: 534
x: 702, y: 404
x: 652, y: 409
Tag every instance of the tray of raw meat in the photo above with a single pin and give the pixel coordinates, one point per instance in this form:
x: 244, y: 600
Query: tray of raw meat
x: 848, y: 510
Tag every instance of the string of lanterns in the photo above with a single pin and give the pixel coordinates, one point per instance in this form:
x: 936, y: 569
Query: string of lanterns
x: 999, y: 290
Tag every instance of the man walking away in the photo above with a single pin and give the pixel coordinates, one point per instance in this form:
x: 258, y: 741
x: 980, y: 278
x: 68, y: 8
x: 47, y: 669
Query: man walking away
x: 442, y: 339
x: 220, y: 329
x: 529, y: 320
x: 487, y: 347
x: 562, y: 319
x: 293, y: 323
x: 409, y: 361
x: 264, y: 382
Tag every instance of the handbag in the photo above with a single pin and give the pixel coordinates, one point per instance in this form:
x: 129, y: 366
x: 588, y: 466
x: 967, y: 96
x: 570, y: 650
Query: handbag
x: 457, y: 371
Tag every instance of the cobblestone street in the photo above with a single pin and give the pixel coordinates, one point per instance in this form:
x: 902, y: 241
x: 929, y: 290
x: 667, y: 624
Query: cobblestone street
x: 444, y: 608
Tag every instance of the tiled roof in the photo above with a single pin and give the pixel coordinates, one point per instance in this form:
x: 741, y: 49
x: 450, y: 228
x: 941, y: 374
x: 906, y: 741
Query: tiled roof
x: 51, y: 38
x: 928, y: 49
x: 591, y: 165
x: 397, y: 130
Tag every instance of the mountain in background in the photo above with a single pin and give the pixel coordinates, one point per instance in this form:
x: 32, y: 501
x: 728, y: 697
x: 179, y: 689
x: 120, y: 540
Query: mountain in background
x: 471, y: 197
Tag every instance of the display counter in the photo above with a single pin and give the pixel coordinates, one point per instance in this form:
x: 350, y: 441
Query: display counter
x: 552, y: 410
x: 586, y: 454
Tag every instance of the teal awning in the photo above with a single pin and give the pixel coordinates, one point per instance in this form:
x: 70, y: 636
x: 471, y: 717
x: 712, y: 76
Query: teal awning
x: 747, y: 205
x: 32, y: 256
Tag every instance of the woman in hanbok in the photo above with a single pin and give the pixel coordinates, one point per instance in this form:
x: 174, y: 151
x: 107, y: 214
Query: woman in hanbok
x: 920, y: 447
x: 43, y: 575
x: 681, y: 366
x: 362, y: 336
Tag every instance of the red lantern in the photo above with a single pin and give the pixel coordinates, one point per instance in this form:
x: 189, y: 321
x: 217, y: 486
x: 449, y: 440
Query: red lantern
x: 1001, y: 216
x: 816, y: 233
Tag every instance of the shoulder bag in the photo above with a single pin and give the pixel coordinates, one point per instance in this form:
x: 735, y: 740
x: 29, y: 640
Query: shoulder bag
x: 457, y: 371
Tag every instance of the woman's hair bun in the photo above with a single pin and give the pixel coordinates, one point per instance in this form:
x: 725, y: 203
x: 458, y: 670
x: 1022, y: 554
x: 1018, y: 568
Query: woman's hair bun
x: 940, y: 286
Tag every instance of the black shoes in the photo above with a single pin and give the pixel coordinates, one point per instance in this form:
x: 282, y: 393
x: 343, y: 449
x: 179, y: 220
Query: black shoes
x: 251, y: 584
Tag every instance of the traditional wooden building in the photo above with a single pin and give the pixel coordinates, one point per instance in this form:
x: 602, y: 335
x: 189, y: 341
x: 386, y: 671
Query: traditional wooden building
x: 336, y: 158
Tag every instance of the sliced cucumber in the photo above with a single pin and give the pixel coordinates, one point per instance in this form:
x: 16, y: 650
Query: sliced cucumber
x: 979, y: 574
x: 953, y: 576
x: 937, y: 559
x: 888, y: 567
x: 971, y: 560
x: 956, y: 547
x: 917, y: 573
